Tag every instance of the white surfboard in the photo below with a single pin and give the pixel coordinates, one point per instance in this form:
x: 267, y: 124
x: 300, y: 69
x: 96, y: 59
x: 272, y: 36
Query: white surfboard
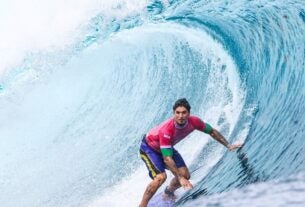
x: 161, y: 200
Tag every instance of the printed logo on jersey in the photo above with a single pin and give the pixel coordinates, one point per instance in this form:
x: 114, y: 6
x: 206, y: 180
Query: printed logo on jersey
x: 167, y: 136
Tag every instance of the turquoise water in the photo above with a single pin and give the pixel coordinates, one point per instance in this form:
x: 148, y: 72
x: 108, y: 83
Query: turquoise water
x: 76, y: 96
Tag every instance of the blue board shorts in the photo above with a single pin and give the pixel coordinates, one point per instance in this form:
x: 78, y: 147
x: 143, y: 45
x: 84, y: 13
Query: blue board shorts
x: 154, y: 160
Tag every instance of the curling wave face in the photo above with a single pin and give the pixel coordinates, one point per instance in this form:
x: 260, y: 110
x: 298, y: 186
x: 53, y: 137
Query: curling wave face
x: 72, y: 115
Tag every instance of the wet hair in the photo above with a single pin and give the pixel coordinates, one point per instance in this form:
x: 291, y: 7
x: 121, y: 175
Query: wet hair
x: 182, y: 102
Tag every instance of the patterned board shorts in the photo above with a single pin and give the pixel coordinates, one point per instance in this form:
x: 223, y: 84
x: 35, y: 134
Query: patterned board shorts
x: 154, y: 160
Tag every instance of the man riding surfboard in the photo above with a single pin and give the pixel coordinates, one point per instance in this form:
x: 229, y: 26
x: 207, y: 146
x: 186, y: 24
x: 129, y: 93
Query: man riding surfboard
x: 158, y: 152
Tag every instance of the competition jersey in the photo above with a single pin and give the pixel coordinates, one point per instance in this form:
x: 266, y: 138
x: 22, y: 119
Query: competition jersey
x: 169, y: 133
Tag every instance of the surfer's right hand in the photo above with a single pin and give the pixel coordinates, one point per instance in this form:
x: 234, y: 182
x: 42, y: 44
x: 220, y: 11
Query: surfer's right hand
x: 186, y: 184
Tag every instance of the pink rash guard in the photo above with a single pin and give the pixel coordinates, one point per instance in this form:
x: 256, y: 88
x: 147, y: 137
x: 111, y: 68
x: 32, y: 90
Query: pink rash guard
x: 169, y: 133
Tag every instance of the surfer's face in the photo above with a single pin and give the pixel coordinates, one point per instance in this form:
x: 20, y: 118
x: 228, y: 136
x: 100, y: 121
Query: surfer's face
x: 181, y: 114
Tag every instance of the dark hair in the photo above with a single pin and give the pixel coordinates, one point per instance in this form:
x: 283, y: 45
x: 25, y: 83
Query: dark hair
x: 182, y: 102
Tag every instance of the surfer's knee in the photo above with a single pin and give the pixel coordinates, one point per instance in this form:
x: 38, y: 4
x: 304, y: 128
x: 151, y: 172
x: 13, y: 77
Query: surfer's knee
x: 161, y: 178
x: 185, y: 173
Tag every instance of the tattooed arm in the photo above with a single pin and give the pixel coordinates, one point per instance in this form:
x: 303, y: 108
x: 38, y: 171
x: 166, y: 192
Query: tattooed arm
x: 218, y: 136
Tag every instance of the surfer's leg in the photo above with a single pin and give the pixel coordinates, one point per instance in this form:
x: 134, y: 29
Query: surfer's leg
x: 183, y: 171
x: 156, y: 168
x: 151, y: 189
x: 174, y: 184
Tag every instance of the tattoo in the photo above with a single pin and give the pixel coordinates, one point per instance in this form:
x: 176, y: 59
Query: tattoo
x: 216, y: 135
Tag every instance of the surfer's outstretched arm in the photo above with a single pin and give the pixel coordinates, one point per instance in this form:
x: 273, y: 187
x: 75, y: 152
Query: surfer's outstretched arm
x: 220, y: 138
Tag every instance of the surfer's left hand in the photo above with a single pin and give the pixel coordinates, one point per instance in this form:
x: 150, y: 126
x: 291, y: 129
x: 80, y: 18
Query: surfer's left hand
x: 232, y: 147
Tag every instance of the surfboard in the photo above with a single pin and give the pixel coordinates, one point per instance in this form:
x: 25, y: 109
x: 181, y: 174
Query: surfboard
x: 161, y: 200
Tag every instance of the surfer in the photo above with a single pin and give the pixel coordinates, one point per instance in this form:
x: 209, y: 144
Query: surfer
x: 158, y: 153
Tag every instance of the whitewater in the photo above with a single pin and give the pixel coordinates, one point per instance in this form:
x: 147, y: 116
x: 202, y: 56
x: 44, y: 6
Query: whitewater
x: 81, y: 81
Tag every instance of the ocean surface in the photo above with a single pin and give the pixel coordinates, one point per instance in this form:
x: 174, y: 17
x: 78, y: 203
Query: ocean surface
x: 81, y: 81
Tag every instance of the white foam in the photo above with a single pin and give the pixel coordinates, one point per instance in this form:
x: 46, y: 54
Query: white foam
x: 127, y: 193
x: 32, y: 25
